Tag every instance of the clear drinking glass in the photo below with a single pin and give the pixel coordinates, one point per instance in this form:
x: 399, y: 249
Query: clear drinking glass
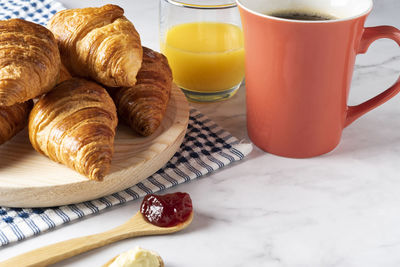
x: 203, y: 42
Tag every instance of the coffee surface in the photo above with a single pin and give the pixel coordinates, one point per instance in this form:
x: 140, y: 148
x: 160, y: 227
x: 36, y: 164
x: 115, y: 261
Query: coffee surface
x: 301, y: 15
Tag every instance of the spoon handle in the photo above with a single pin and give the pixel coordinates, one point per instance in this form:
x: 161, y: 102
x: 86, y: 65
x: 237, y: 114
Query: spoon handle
x: 59, y: 251
x: 136, y: 226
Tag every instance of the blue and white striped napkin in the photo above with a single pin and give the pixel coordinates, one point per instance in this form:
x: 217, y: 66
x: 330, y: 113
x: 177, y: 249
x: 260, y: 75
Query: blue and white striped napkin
x: 38, y: 11
x: 206, y: 148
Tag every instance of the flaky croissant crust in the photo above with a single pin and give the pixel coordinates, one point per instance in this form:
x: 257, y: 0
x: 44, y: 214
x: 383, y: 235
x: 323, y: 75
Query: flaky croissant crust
x: 13, y: 119
x: 99, y: 43
x: 64, y: 74
x: 29, y: 61
x: 143, y: 106
x: 75, y: 125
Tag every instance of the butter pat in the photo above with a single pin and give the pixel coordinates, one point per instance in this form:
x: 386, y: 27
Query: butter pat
x: 138, y: 257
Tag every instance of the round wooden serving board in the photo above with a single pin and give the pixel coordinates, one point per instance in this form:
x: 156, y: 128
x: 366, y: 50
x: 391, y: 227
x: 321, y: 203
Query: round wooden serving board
x: 29, y: 179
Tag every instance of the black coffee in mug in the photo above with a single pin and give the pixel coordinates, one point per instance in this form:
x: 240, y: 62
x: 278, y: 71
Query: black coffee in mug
x: 301, y: 15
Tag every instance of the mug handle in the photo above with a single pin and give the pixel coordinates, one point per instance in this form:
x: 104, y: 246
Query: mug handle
x: 370, y: 35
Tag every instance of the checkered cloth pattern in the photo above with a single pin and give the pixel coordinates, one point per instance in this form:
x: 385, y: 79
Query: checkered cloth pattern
x: 38, y: 11
x: 206, y: 148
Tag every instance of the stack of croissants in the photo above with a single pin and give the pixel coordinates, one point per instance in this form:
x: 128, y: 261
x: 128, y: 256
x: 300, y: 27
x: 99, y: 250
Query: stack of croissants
x: 71, y: 81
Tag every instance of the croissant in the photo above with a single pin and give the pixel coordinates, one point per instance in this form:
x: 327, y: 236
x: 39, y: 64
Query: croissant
x: 63, y: 75
x: 29, y: 61
x: 99, y: 43
x: 74, y: 124
x: 13, y: 119
x: 143, y: 106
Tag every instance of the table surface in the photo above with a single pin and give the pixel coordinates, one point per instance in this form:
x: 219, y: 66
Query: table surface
x: 340, y: 209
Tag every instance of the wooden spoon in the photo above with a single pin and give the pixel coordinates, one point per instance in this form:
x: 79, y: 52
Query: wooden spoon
x: 136, y: 226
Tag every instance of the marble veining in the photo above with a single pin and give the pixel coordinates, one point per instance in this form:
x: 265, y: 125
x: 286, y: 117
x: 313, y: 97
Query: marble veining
x: 337, y: 210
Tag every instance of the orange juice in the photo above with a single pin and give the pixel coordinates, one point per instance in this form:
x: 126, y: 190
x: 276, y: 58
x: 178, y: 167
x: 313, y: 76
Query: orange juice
x: 205, y: 56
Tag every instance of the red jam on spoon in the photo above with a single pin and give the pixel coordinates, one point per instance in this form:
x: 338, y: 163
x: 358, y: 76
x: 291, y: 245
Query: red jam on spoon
x: 167, y: 210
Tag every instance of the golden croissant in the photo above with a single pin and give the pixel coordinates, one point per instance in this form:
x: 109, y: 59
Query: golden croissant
x: 13, y: 119
x: 74, y: 124
x: 63, y: 75
x: 100, y: 43
x: 143, y: 106
x: 29, y: 61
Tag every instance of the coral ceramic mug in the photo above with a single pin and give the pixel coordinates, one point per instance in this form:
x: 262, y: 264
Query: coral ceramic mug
x: 298, y: 72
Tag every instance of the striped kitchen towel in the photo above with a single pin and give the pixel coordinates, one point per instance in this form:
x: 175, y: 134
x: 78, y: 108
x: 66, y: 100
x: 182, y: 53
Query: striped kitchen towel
x: 38, y: 11
x: 206, y: 148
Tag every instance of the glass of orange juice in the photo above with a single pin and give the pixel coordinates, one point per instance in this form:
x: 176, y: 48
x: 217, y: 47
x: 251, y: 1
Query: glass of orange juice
x: 203, y: 42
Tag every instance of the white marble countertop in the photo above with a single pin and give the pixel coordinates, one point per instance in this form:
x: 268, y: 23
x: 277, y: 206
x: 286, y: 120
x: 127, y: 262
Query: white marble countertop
x: 340, y: 209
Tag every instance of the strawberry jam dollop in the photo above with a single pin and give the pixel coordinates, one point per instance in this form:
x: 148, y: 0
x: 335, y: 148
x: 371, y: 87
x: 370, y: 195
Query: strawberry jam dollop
x: 166, y: 210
